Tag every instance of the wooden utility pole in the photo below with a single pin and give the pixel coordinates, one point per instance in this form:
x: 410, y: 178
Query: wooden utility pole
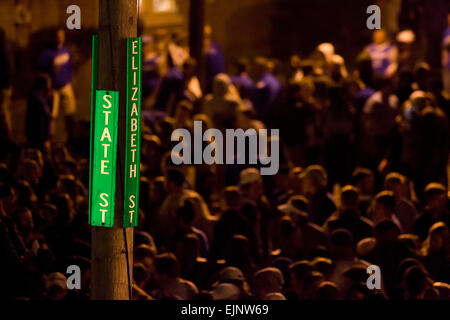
x: 110, y: 271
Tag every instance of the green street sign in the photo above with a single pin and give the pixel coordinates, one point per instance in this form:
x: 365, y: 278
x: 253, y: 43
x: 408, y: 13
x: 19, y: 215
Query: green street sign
x: 104, y: 153
x: 133, y: 134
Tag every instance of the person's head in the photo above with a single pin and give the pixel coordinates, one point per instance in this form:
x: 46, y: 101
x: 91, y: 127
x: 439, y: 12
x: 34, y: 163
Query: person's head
x: 65, y: 207
x: 437, y: 237
x: 157, y: 190
x: 291, y: 236
x: 383, y: 206
x: 298, y: 272
x: 186, y: 215
x: 55, y: 286
x: 312, y: 283
x: 314, y: 179
x: 415, y: 283
x: 327, y: 290
x: 24, y: 220
x: 295, y: 182
x: 31, y: 171
x: 60, y: 154
x: 67, y: 184
x: 145, y: 254
x: 357, y: 291
x: 231, y: 198
x: 8, y: 198
x: 379, y: 36
x: 307, y: 89
x: 238, y: 251
x: 300, y: 203
x: 422, y: 72
x: 60, y: 37
x: 267, y: 280
x: 183, y: 111
x: 250, y: 183
x: 342, y: 246
x: 327, y: 49
x: 232, y: 275
x: 42, y: 85
x: 166, y: 267
x: 226, y: 291
x: 142, y: 237
x: 141, y: 274
x: 186, y: 250
x: 25, y: 193
x: 386, y: 86
x: 242, y: 65
x: 189, y: 68
x: 207, y: 36
x: 261, y: 65
x: 386, y: 232
x: 349, y: 198
x: 204, y: 119
x: 364, y: 180
x: 396, y: 183
x: 174, y: 180
x: 435, y: 196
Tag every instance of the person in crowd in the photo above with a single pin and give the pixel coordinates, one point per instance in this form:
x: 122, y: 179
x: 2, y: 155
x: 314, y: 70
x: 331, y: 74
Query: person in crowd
x: 39, y: 114
x: 446, y: 57
x: 221, y: 106
x: 215, y: 59
x: 169, y: 283
x: 377, y: 121
x: 383, y: 207
x: 267, y: 281
x: 363, y: 179
x: 383, y: 53
x: 435, y: 252
x: 348, y: 216
x: 405, y: 210
x: 6, y: 77
x: 315, y: 181
x: 435, y: 210
x: 267, y: 86
x: 242, y: 80
x: 57, y: 62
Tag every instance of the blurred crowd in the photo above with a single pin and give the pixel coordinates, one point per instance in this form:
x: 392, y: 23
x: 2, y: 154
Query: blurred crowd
x: 362, y: 178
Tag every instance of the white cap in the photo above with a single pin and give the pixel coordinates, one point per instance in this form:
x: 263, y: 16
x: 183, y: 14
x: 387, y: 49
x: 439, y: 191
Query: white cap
x: 406, y: 36
x: 56, y: 279
x: 226, y: 291
x: 249, y: 175
x: 327, y: 49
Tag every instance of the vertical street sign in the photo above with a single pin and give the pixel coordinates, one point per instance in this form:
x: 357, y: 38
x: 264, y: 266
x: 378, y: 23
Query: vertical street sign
x: 103, y: 164
x: 133, y: 133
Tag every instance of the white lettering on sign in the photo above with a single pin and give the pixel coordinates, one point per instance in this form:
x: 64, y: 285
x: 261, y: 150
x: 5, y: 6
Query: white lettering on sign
x: 131, y: 206
x: 105, y: 135
x: 104, y: 197
x: 133, y: 170
x: 133, y: 124
x: 135, y: 89
x: 133, y: 134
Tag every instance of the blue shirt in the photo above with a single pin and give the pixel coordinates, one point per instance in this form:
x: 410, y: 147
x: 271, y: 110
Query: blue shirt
x: 381, y: 56
x: 215, y: 63
x: 444, y: 36
x: 244, y: 84
x: 266, y: 93
x: 58, y: 64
